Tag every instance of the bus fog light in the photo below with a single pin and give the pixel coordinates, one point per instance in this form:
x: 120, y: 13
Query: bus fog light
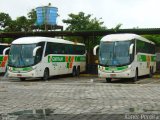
x: 10, y: 68
x: 34, y: 67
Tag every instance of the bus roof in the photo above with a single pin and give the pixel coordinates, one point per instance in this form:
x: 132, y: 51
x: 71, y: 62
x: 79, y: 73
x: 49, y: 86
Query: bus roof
x: 124, y: 37
x: 31, y: 40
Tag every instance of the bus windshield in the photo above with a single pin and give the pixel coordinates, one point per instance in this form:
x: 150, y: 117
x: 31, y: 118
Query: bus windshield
x: 114, y: 53
x: 21, y: 55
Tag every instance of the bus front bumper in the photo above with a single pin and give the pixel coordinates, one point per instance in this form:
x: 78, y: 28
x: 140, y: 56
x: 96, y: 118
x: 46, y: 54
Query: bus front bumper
x: 22, y: 74
x: 122, y: 74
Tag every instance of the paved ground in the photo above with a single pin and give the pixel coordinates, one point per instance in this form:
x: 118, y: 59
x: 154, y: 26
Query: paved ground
x: 86, y: 97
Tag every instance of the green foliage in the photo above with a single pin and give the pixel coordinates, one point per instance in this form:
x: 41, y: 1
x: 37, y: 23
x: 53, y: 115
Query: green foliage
x: 80, y: 21
x: 117, y: 27
x: 154, y: 38
x: 32, y: 17
x: 6, y: 40
x: 18, y: 25
x: 21, y: 23
x: 5, y: 21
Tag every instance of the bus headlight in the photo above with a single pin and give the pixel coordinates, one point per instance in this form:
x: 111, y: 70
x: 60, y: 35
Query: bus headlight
x: 103, y: 68
x: 10, y: 68
x: 34, y: 67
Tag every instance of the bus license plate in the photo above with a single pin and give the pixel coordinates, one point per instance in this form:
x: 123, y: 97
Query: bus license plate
x: 113, y: 75
x: 19, y: 75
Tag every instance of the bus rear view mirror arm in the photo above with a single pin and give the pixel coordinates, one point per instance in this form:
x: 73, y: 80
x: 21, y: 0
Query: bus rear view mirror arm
x: 95, y: 50
x: 35, y: 50
x: 4, y: 51
x: 131, y: 49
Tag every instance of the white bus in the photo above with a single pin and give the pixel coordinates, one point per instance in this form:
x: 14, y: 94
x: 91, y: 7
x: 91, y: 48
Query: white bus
x: 125, y: 56
x: 4, y: 50
x: 43, y: 57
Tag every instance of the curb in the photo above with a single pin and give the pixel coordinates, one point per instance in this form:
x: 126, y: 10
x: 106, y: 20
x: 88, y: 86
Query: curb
x: 88, y: 75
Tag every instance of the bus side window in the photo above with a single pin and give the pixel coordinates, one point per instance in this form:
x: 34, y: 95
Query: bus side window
x: 71, y: 49
x: 55, y: 49
x: 49, y: 49
x: 66, y: 49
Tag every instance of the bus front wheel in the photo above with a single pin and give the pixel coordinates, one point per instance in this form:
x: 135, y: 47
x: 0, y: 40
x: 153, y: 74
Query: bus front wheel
x: 108, y: 80
x: 46, y: 74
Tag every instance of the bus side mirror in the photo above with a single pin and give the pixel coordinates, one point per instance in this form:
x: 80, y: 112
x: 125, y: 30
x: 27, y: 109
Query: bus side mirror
x: 95, y: 50
x: 131, y: 49
x: 35, y: 50
x: 5, y: 50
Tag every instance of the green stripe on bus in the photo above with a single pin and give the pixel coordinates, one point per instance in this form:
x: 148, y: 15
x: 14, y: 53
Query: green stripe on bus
x: 22, y: 69
x: 141, y: 58
x: 116, y: 68
x: 67, y: 65
x: 122, y: 68
x: 80, y: 58
x: 1, y: 58
x: 144, y: 58
x: 153, y: 58
x: 69, y: 59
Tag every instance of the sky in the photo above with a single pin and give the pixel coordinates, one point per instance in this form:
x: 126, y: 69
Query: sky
x: 129, y: 13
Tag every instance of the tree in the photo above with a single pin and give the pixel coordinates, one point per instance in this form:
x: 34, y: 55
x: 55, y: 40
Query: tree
x: 118, y: 27
x: 32, y: 17
x: 154, y: 38
x: 5, y: 21
x: 80, y: 21
x: 22, y: 24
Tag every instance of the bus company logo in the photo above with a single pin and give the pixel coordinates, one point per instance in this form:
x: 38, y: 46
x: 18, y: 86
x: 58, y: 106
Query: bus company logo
x: 67, y: 59
x: 56, y: 59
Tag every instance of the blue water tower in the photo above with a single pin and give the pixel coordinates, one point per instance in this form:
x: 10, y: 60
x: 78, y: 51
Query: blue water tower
x: 46, y: 15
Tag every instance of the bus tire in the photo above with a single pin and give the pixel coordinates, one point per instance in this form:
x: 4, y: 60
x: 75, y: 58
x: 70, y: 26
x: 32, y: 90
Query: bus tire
x: 74, y: 72
x: 46, y: 74
x: 135, y: 78
x: 22, y: 79
x: 151, y: 72
x: 108, y: 80
x: 78, y: 71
